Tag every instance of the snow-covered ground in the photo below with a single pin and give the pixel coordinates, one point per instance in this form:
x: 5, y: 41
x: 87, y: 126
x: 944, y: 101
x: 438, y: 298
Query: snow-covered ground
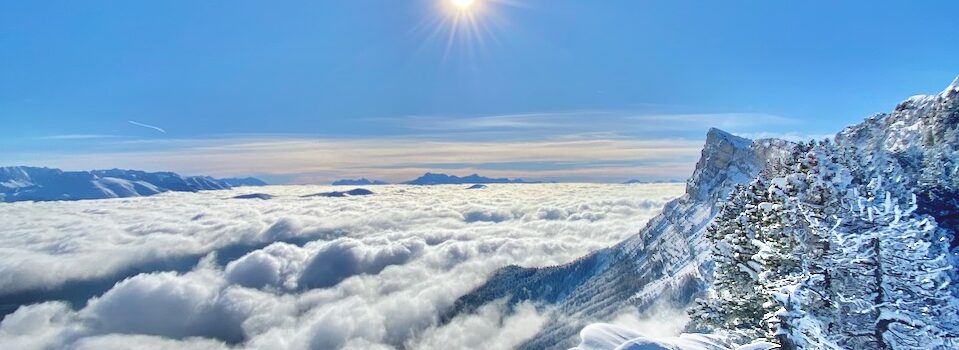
x: 291, y: 272
x: 602, y: 336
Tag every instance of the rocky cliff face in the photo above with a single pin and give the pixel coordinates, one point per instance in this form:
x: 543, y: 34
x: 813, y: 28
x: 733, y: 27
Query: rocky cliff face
x: 664, y: 262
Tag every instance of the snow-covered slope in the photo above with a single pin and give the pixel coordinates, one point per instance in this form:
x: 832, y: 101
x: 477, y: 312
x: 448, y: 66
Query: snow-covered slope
x: 45, y: 184
x: 922, y: 135
x: 921, y: 122
x: 606, y: 336
x: 666, y: 261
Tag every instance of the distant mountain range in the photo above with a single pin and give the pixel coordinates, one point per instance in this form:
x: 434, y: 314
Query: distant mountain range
x: 433, y: 179
x: 637, y: 181
x: 444, y: 179
x: 335, y: 194
x: 243, y: 182
x: 22, y: 183
x: 359, y: 182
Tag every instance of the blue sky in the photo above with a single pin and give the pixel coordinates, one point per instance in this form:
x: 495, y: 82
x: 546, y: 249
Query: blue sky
x: 308, y: 91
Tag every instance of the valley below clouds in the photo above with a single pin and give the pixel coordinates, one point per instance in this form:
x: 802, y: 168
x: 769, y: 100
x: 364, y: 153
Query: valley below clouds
x: 208, y: 271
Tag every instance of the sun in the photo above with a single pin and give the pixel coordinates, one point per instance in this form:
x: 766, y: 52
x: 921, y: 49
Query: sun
x: 467, y: 25
x: 462, y: 5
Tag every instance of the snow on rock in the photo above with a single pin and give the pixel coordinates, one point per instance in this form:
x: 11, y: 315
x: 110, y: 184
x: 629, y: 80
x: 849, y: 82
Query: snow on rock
x: 759, y: 345
x: 682, y: 342
x: 951, y: 89
x: 603, y: 336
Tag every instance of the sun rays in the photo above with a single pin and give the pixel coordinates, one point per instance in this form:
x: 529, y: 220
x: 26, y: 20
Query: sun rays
x: 465, y: 26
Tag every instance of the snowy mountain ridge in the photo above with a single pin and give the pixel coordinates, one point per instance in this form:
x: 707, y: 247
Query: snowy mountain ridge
x: 665, y: 262
x: 848, y: 244
x: 444, y: 179
x: 358, y: 182
x: 670, y: 260
x: 21, y: 183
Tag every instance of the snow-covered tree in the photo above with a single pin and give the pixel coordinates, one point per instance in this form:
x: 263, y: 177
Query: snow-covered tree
x: 814, y: 256
x: 816, y: 188
x: 914, y: 306
x: 735, y: 302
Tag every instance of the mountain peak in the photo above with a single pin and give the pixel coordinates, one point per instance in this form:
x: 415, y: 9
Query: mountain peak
x: 358, y: 182
x: 725, y: 160
x: 952, y: 88
x: 716, y: 136
x: 444, y: 179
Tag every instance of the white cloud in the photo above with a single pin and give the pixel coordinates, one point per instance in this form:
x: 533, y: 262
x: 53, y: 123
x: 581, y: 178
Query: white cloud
x: 39, y: 326
x: 343, y: 258
x: 144, y: 342
x: 382, y: 269
x: 659, y: 321
x: 491, y: 327
x: 276, y: 266
x: 621, y: 122
x: 148, y: 126
x: 169, y: 305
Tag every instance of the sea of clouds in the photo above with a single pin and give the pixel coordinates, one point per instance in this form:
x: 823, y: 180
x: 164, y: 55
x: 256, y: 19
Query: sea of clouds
x: 206, y: 271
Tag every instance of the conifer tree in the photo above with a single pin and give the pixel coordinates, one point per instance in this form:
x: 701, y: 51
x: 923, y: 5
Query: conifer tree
x: 829, y: 252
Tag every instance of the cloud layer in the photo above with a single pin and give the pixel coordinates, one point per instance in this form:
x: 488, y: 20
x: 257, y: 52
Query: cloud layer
x: 301, y: 273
